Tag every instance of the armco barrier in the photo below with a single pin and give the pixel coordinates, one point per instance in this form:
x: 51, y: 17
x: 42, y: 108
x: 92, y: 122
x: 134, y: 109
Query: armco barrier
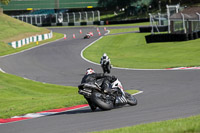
x: 17, y: 44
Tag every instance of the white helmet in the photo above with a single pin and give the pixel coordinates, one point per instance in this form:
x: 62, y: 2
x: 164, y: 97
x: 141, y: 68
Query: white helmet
x: 89, y: 71
x: 105, y: 56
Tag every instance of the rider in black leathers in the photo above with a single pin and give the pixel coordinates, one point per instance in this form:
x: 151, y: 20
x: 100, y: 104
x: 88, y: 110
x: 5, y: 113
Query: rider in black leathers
x: 91, y: 77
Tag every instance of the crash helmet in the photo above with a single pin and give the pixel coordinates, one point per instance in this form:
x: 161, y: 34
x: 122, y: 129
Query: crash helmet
x: 105, y: 56
x: 89, y: 71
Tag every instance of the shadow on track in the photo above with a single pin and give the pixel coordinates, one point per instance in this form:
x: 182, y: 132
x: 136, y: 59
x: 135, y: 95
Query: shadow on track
x: 79, y: 111
x: 88, y: 110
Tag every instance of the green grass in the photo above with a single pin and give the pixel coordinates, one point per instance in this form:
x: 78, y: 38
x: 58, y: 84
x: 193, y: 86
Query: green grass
x: 132, y: 91
x: 184, y: 125
x: 20, y: 96
x: 131, y: 51
x: 6, y: 49
x: 113, y: 31
x: 13, y: 30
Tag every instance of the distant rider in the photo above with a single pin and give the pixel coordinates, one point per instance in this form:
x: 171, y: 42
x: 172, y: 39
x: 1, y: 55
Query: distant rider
x: 105, y: 61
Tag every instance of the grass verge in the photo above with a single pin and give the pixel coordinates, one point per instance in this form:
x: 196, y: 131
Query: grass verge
x: 5, y: 49
x: 13, y: 30
x: 19, y: 96
x: 131, y: 51
x: 114, y: 31
x: 184, y: 125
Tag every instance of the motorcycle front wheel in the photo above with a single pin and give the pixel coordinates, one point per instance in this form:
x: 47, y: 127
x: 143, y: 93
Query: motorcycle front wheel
x: 102, y: 101
x: 130, y: 99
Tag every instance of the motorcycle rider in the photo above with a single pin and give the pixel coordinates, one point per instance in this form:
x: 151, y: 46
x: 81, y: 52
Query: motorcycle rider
x: 105, y: 58
x: 91, y: 77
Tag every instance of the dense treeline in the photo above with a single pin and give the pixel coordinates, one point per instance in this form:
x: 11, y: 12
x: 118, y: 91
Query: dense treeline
x: 5, y: 2
x: 119, y: 4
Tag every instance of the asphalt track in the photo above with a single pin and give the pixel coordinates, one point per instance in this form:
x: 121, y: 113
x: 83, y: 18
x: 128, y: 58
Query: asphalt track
x: 168, y: 94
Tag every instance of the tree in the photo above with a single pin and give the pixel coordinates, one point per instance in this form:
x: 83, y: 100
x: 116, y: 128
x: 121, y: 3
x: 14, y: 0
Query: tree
x: 5, y: 2
x: 115, y: 4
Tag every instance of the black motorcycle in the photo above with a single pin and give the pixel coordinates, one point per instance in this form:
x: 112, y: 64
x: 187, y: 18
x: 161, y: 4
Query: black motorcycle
x: 97, y: 97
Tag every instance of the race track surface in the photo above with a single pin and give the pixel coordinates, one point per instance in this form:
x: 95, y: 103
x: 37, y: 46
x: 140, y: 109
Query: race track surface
x: 167, y: 94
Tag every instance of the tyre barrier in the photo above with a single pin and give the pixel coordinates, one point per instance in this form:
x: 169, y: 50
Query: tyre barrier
x: 198, y: 34
x: 37, y: 38
x: 71, y: 23
x: 172, y: 37
x: 107, y: 22
x: 149, y: 29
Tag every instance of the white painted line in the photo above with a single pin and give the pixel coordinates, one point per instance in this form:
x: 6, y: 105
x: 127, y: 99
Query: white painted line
x: 127, y: 68
x: 2, y: 71
x: 108, y: 31
x: 137, y: 93
x: 24, y: 51
x: 86, y: 48
x: 112, y: 67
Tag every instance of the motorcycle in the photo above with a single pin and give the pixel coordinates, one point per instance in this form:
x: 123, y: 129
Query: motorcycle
x: 106, y: 66
x: 106, y: 100
x: 88, y: 35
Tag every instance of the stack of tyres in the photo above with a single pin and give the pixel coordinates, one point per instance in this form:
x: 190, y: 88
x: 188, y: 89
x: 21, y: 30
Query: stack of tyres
x: 198, y: 34
x: 195, y: 35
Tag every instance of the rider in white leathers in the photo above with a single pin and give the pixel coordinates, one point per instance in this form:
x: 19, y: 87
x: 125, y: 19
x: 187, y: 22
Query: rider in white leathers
x: 105, y: 61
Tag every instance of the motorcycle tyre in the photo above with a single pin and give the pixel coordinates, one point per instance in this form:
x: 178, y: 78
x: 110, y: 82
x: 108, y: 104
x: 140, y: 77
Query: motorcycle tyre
x: 92, y: 106
x: 131, y: 100
x: 101, y: 104
x: 86, y: 37
x: 106, y: 69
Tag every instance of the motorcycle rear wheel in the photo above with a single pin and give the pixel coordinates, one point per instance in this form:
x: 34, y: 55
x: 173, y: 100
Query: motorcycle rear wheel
x: 102, y: 102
